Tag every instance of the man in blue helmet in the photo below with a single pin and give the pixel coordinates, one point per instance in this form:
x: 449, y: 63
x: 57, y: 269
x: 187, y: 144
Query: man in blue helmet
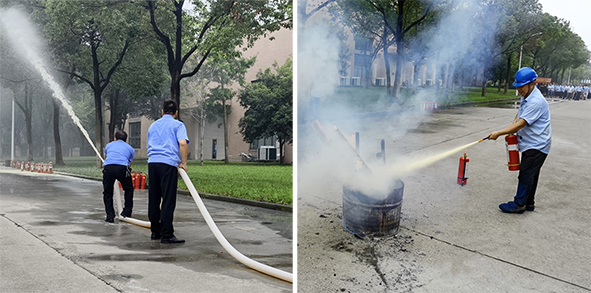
x: 532, y: 124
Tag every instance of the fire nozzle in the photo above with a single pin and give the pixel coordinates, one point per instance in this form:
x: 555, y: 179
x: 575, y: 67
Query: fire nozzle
x: 483, y: 139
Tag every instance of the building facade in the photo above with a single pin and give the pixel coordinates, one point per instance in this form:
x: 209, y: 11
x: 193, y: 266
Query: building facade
x: 276, y: 47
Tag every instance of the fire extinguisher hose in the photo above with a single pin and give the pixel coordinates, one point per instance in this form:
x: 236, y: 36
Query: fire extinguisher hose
x: 263, y: 268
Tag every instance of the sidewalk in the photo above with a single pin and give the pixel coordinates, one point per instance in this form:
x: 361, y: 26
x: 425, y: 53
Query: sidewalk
x: 54, y: 239
x: 454, y: 238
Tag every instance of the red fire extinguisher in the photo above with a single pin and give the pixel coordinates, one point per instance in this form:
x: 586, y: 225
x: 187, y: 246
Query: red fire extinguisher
x: 142, y: 180
x: 512, y: 152
x: 463, y: 170
x: 136, y: 180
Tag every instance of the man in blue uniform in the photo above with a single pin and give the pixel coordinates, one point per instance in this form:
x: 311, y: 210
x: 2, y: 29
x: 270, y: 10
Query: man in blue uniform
x: 532, y: 124
x: 167, y: 150
x: 118, y: 158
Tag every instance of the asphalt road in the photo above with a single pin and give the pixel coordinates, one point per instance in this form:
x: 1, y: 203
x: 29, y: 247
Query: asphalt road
x: 53, y: 239
x: 453, y: 238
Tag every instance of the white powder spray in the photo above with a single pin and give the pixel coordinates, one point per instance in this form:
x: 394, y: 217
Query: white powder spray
x: 25, y: 40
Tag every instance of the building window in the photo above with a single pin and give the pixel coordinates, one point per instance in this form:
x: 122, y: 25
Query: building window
x: 135, y: 134
x: 266, y: 141
x: 363, y: 44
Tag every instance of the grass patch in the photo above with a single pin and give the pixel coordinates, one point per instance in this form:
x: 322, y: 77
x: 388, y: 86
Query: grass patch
x: 359, y: 99
x: 474, y: 94
x: 267, y: 182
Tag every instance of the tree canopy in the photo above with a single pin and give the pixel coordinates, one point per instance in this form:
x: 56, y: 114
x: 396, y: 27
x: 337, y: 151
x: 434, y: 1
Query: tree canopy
x: 269, y: 104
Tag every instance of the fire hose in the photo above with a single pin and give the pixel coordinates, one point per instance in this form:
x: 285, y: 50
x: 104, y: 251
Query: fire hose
x: 263, y: 268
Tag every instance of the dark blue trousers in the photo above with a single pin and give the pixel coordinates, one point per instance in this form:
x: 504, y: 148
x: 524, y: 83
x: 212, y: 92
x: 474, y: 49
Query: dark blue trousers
x: 110, y: 174
x: 529, y: 172
x: 162, y: 187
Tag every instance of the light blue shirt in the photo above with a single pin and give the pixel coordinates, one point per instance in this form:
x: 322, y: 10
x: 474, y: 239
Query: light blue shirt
x: 537, y: 133
x: 163, y: 140
x: 118, y: 153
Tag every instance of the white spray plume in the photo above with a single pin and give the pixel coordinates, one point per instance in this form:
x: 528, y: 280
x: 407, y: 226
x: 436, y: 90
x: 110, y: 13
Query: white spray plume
x: 26, y: 42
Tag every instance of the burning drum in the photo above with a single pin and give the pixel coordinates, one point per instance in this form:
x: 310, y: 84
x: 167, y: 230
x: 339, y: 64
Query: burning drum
x: 371, y: 215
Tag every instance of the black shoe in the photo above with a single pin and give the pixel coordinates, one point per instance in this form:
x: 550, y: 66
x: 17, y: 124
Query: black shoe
x: 155, y: 236
x: 530, y: 207
x: 110, y: 220
x: 123, y: 214
x: 172, y: 240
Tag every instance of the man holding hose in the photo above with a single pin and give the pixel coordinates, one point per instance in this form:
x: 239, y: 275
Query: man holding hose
x: 532, y: 124
x: 167, y: 150
x: 118, y: 158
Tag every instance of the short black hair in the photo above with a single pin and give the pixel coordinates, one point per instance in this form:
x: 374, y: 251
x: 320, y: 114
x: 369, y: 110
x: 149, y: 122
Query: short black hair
x: 121, y: 135
x: 170, y: 107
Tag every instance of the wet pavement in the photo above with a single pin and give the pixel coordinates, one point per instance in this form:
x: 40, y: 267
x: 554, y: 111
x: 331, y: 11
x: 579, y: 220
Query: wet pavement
x: 54, y: 238
x: 452, y: 238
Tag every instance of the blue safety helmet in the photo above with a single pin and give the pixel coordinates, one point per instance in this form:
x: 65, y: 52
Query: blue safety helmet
x: 524, y: 76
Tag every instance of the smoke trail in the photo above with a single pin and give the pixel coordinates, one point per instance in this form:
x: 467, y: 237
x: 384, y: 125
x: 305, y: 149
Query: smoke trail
x: 26, y: 42
x: 461, y: 39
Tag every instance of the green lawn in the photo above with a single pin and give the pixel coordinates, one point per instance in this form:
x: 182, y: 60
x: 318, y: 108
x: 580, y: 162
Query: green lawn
x: 474, y: 94
x: 256, y: 181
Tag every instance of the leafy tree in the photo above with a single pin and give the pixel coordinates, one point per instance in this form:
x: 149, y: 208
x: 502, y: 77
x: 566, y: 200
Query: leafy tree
x: 401, y: 17
x: 143, y: 75
x: 213, y: 28
x: 224, y: 72
x: 563, y: 50
x: 269, y: 103
x: 304, y: 14
x: 104, y: 31
x: 518, y: 25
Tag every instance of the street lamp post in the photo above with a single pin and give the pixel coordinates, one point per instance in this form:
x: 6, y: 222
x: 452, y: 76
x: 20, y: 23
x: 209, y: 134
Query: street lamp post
x: 521, y: 53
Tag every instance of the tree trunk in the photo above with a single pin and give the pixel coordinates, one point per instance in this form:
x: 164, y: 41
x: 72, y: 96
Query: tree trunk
x: 281, y: 152
x: 175, y: 89
x: 507, y: 76
x: 387, y: 61
x: 28, y: 118
x: 98, y: 104
x: 562, y: 75
x: 59, y: 159
x: 98, y: 135
x: 114, y: 105
x: 202, y: 140
x: 399, y: 65
x: 226, y: 157
x: 484, y: 80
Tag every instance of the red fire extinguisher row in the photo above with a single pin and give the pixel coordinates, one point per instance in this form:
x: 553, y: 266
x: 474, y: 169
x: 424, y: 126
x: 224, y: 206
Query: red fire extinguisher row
x: 463, y: 169
x: 512, y: 152
x: 138, y: 180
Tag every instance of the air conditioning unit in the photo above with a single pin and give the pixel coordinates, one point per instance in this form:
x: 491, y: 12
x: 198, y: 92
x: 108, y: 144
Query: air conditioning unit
x: 380, y: 81
x: 355, y: 81
x: 343, y: 81
x: 267, y: 153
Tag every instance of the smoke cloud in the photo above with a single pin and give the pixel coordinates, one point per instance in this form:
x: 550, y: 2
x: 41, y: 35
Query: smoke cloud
x: 460, y: 41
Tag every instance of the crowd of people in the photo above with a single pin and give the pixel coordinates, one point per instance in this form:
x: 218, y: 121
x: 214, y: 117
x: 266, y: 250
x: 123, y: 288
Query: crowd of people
x: 569, y: 91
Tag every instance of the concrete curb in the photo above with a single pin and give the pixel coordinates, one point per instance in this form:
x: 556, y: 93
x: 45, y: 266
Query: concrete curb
x: 262, y: 204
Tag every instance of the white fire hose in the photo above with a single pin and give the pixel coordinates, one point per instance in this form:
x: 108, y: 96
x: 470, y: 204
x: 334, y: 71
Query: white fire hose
x: 263, y: 268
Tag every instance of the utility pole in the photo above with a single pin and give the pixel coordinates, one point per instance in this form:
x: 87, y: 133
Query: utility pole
x: 520, y: 53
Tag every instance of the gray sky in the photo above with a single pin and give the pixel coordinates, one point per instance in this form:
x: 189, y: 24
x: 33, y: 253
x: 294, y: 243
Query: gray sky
x: 578, y: 12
